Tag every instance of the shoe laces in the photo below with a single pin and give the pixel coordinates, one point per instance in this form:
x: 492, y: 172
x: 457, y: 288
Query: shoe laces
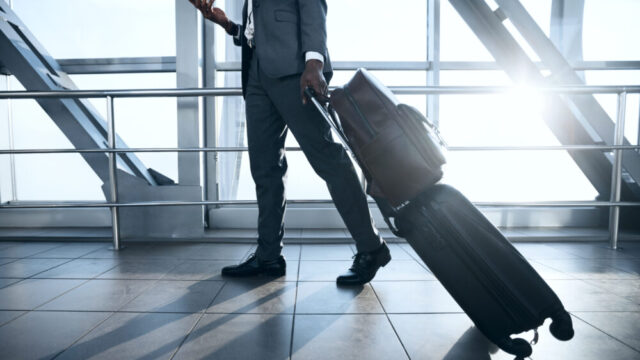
x: 360, y: 260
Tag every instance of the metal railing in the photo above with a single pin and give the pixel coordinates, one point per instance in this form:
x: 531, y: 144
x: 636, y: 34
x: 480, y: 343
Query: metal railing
x: 113, y: 204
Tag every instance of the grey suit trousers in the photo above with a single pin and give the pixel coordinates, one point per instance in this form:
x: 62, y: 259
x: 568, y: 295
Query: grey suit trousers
x: 273, y: 106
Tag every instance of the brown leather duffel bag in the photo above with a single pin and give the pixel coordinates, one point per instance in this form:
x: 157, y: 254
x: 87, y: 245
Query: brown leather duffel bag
x: 399, y: 149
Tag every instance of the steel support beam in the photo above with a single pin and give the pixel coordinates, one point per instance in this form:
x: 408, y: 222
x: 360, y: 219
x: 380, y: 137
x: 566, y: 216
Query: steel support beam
x: 567, y: 125
x: 187, y: 77
x: 567, y: 17
x: 586, y: 108
x: 433, y: 58
x: 27, y: 59
x: 209, y: 121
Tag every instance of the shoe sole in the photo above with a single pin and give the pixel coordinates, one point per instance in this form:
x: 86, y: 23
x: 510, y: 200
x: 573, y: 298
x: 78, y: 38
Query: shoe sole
x: 272, y: 273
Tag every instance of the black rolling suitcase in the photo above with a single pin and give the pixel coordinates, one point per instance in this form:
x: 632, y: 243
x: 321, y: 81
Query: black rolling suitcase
x: 490, y: 280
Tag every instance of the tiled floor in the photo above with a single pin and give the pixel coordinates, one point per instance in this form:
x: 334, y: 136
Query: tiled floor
x: 163, y: 301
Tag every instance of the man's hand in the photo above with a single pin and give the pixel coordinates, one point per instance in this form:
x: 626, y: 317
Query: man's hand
x: 213, y: 13
x: 312, y: 77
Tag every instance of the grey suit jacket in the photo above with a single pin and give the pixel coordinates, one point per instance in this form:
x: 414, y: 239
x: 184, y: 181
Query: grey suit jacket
x: 284, y: 31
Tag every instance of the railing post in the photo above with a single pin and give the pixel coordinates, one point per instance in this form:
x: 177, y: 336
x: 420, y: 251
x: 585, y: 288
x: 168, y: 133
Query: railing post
x: 616, y: 172
x: 113, y: 179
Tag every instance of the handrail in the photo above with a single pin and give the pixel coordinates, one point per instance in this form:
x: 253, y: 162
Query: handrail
x: 617, y: 147
x: 88, y: 204
x: 400, y: 90
x: 606, y: 148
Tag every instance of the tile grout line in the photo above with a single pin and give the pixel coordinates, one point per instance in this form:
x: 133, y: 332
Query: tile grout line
x: 32, y: 278
x: 109, y: 316
x: 604, y: 332
x: 295, y: 304
x: 390, y: 322
x: 112, y: 313
x: 203, y: 312
x: 117, y: 311
x: 418, y: 260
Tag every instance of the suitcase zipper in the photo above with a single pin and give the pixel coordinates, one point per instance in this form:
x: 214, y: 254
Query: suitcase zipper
x: 367, y: 124
x: 510, y: 297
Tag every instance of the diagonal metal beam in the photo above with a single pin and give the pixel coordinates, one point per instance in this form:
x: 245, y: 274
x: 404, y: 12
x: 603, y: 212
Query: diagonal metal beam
x: 26, y: 58
x: 571, y: 117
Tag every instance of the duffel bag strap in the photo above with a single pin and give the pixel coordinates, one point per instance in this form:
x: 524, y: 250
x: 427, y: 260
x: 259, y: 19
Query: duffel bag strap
x: 416, y: 114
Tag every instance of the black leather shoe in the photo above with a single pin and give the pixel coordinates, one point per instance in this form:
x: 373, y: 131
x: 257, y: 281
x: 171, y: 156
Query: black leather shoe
x: 254, y: 267
x: 365, y: 265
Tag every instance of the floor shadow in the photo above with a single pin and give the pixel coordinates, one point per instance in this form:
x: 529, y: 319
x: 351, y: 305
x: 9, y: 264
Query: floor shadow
x: 138, y: 327
x: 472, y: 345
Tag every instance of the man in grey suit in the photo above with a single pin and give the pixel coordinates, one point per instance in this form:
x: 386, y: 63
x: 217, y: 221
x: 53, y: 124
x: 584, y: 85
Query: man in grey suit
x: 283, y: 52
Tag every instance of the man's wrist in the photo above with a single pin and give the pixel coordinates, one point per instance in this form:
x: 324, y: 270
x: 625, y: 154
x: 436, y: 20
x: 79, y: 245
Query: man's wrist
x: 314, y: 64
x: 313, y: 55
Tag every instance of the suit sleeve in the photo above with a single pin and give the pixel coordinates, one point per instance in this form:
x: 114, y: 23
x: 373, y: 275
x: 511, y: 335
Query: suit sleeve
x: 237, y: 37
x: 313, y: 26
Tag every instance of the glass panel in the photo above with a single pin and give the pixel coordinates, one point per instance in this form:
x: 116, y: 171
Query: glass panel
x: 504, y: 120
x: 381, y: 31
x: 48, y: 176
x: 97, y: 28
x: 610, y: 30
x: 140, y: 122
x: 517, y: 176
x: 458, y: 42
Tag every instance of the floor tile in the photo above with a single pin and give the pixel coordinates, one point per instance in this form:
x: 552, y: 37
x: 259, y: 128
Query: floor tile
x: 7, y: 282
x: 588, y: 269
x: 24, y: 268
x: 549, y: 273
x: 6, y: 316
x: 578, y: 295
x: 345, y: 337
x: 322, y: 270
x: 99, y: 295
x: 71, y: 250
x: 630, y: 266
x: 79, y: 269
x: 133, y: 336
x: 31, y: 293
x: 326, y: 252
x: 328, y: 298
x: 398, y: 253
x: 198, y: 270
x: 597, y: 250
x: 290, y: 251
x: 403, y: 270
x: 441, y: 336
x: 25, y: 249
x: 7, y: 260
x: 626, y: 288
x: 204, y: 251
x: 255, y: 296
x: 414, y: 297
x: 239, y: 336
x: 130, y: 250
x: 140, y: 269
x: 539, y: 251
x: 175, y: 296
x: 49, y: 333
x: 624, y: 326
x: 452, y: 336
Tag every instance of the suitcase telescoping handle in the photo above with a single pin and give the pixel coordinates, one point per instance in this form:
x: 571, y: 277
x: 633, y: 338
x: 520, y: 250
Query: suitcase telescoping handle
x: 330, y: 116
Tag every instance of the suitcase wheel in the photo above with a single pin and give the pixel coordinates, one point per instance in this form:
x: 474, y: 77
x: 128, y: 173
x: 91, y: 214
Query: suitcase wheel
x: 562, y: 326
x: 518, y: 347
